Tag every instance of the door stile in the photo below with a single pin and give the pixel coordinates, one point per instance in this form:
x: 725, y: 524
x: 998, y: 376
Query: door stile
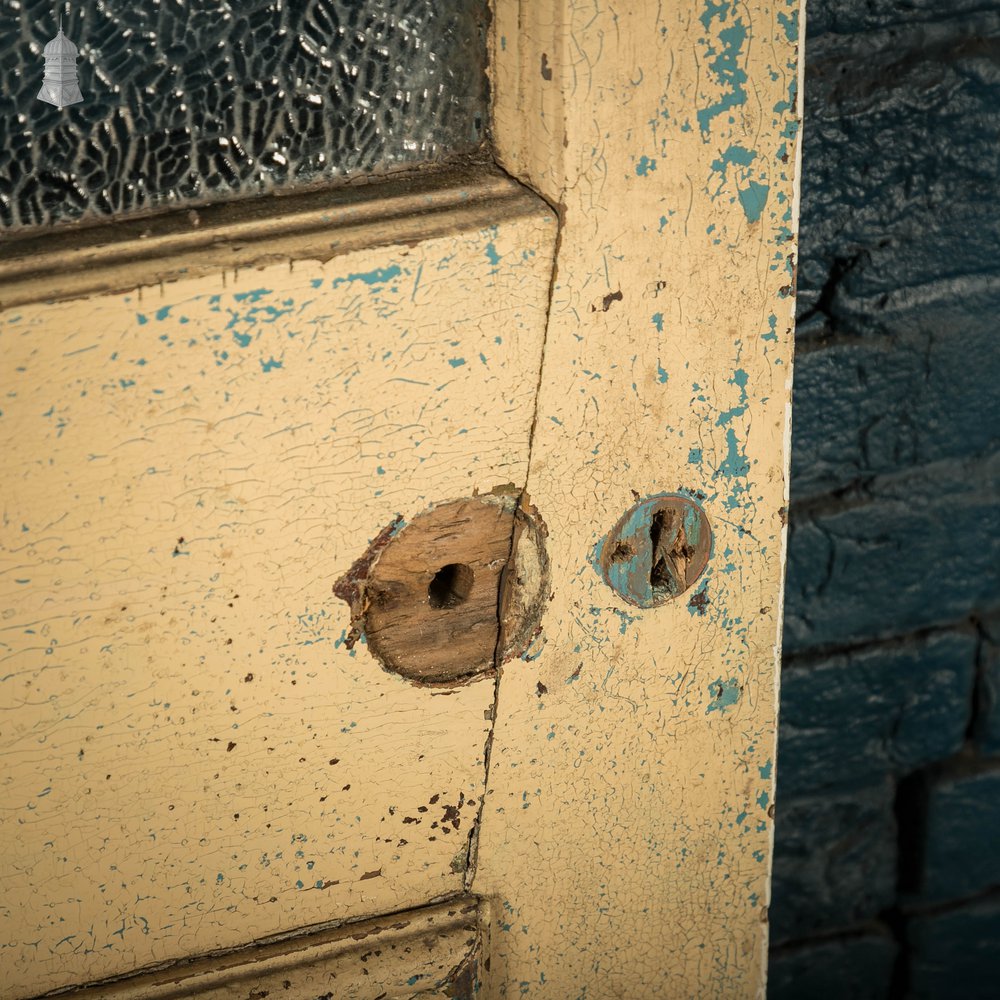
x: 626, y: 835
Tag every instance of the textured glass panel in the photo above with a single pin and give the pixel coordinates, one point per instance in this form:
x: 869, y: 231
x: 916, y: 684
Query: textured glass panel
x: 189, y: 102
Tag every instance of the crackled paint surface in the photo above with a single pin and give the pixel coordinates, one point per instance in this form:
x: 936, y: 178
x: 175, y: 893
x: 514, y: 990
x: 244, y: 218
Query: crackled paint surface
x: 422, y: 952
x: 193, y: 757
x: 627, y: 828
x: 196, y: 759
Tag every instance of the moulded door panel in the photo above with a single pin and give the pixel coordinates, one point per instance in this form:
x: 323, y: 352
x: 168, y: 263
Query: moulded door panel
x: 196, y: 755
x: 428, y: 952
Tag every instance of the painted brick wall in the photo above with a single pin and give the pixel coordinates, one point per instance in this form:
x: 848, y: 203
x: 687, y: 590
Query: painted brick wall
x: 887, y: 856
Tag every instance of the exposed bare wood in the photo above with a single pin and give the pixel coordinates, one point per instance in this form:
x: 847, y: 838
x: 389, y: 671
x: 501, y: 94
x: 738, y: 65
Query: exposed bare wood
x: 426, y: 594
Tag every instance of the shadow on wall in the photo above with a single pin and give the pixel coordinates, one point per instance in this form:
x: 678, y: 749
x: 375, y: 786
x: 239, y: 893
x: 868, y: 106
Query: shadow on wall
x: 887, y: 857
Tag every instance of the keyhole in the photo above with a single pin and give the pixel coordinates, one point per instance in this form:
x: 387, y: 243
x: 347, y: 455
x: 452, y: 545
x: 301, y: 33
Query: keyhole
x: 667, y: 539
x: 451, y: 586
x: 659, y: 574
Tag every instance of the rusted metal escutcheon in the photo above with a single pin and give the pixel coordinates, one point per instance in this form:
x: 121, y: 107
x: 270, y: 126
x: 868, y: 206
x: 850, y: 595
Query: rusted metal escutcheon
x: 656, y: 551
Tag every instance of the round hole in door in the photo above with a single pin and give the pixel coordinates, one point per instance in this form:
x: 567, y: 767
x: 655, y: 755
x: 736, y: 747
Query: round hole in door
x: 445, y: 595
x: 451, y: 586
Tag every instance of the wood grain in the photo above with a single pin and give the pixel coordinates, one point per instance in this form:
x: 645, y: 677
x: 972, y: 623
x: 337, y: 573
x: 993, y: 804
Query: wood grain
x: 454, y: 636
x: 429, y: 595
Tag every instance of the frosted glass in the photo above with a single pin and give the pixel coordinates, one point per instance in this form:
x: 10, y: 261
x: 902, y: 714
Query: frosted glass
x: 191, y: 102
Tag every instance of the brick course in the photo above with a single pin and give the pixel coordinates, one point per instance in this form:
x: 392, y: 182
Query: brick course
x: 887, y: 855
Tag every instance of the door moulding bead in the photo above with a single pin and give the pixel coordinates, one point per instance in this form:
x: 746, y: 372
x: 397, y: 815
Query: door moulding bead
x: 228, y: 237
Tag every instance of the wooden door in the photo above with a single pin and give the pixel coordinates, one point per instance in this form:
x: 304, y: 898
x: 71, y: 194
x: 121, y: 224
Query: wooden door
x: 207, y: 429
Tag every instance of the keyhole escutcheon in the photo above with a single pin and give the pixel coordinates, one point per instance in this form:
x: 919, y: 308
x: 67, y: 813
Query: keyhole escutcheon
x: 657, y: 550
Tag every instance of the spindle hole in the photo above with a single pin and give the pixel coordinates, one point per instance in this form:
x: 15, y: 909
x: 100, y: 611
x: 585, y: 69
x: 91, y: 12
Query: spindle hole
x: 451, y: 586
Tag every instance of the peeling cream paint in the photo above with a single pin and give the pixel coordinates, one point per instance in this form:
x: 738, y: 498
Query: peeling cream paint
x: 194, y: 758
x: 626, y: 832
x: 197, y: 757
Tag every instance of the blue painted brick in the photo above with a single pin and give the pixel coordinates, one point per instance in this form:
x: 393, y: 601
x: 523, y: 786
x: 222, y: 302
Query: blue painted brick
x: 834, y: 860
x: 847, y: 17
x: 900, y: 160
x: 961, y: 850
x: 854, y: 718
x: 988, y: 721
x: 955, y: 953
x: 898, y: 304
x: 849, y: 968
x: 925, y: 550
x: 924, y: 389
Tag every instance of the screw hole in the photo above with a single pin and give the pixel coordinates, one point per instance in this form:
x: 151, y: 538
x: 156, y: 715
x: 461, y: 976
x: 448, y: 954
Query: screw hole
x: 451, y: 586
x: 621, y: 552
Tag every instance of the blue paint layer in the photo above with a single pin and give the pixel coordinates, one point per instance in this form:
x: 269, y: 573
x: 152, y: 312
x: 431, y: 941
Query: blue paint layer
x: 723, y: 694
x: 753, y: 198
x: 724, y: 64
x: 378, y: 276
